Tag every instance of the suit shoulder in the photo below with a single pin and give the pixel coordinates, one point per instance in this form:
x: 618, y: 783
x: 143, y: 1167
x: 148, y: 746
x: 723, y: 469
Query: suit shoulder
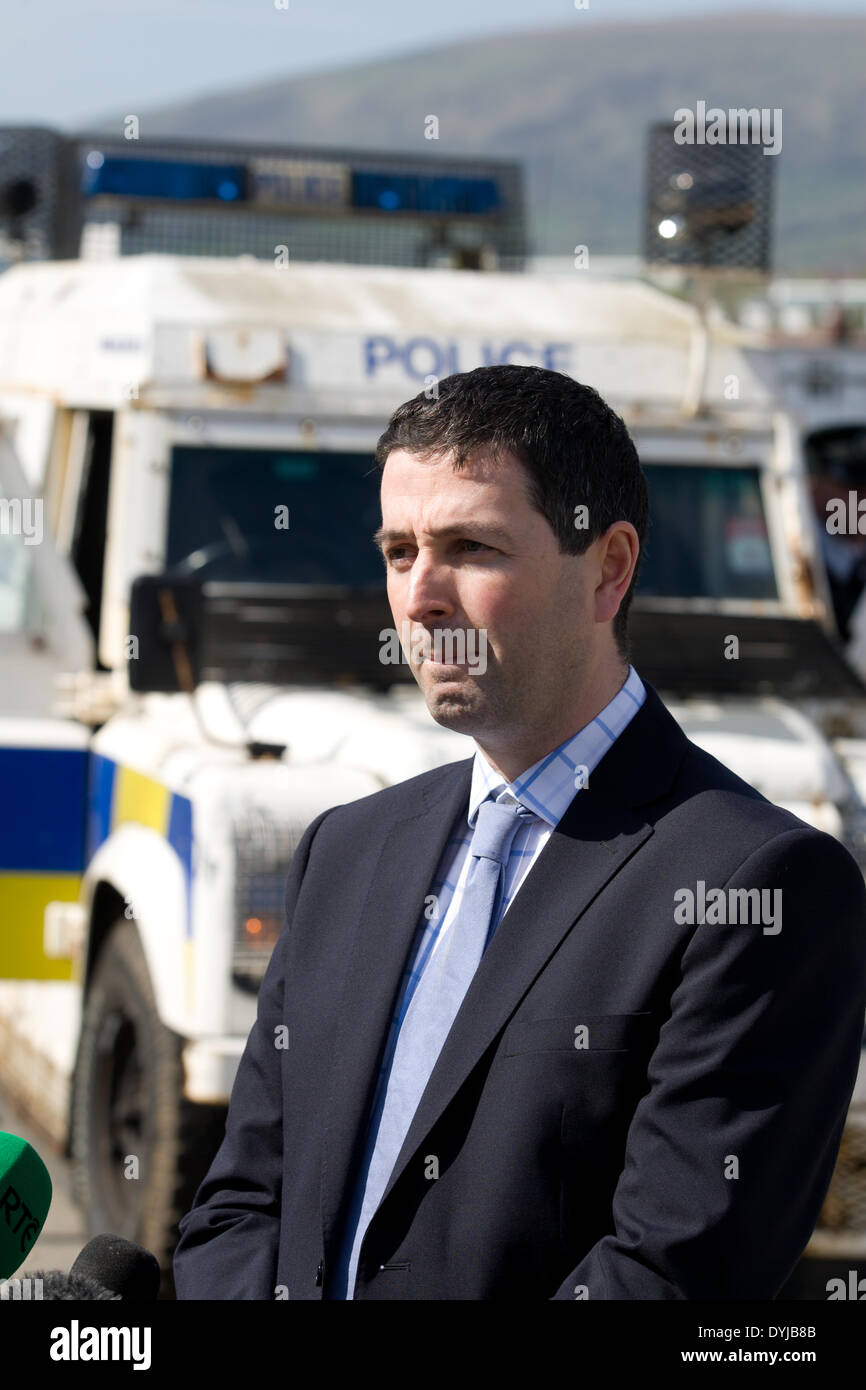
x: 700, y: 770
x: 696, y: 777
x: 713, y: 790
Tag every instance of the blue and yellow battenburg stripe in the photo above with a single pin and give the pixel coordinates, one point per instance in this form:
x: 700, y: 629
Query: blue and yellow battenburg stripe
x: 57, y: 806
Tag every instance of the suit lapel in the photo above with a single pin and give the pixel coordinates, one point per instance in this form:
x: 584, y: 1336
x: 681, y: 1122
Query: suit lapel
x: 401, y: 880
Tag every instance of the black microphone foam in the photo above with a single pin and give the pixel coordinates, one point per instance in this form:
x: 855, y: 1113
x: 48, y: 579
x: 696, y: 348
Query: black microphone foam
x: 121, y: 1267
x: 73, y: 1287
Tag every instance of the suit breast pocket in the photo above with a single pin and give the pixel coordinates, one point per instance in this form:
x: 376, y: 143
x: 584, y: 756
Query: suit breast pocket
x: 584, y: 1035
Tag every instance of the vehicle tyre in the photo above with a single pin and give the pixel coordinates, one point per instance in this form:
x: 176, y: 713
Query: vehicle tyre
x: 139, y: 1149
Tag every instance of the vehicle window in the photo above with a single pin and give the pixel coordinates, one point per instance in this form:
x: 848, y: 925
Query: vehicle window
x: 14, y: 576
x: 21, y: 608
x: 836, y: 462
x: 707, y: 535
x: 223, y: 514
x: 88, y: 543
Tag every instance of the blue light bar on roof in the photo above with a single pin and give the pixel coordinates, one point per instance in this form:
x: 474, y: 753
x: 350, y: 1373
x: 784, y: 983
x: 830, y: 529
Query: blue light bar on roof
x: 177, y: 180
x: 424, y: 193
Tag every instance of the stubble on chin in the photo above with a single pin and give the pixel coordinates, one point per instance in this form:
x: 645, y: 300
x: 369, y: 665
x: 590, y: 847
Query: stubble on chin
x: 465, y: 707
x: 450, y: 706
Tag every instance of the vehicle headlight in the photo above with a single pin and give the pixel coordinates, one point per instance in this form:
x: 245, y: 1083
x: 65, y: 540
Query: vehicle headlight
x: 263, y: 851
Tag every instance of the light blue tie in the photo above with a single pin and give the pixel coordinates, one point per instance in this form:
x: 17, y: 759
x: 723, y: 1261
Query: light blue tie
x: 438, y: 996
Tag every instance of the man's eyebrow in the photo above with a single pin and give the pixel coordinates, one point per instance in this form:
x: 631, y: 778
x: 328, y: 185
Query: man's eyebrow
x: 384, y: 536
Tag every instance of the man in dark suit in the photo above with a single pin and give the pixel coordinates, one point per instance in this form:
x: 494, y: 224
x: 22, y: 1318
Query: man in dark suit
x: 579, y: 1017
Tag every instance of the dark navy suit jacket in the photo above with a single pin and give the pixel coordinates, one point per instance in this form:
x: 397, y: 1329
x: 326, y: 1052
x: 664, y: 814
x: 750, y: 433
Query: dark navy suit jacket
x: 683, y: 1152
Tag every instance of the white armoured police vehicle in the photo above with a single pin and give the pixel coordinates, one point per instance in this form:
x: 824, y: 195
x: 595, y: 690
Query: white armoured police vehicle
x: 190, y: 617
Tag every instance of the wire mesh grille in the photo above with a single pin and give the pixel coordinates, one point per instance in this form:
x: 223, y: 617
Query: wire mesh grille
x: 708, y: 205
x: 264, y: 848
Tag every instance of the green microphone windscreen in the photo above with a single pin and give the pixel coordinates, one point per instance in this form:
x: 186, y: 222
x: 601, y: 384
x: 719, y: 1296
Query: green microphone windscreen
x: 25, y: 1196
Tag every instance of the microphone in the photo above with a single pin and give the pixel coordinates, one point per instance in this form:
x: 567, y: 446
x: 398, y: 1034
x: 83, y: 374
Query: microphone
x: 25, y: 1196
x: 108, y: 1267
x: 53, y: 1286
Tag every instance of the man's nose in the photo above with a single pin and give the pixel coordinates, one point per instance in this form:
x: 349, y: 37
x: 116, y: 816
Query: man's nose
x: 430, y: 588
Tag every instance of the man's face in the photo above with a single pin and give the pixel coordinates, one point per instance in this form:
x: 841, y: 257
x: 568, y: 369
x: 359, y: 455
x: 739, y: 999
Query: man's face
x: 466, y: 551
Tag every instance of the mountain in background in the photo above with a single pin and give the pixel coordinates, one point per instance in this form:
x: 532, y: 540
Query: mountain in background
x: 573, y: 103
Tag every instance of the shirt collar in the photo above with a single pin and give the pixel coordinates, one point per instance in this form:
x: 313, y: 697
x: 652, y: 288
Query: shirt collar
x: 549, y: 786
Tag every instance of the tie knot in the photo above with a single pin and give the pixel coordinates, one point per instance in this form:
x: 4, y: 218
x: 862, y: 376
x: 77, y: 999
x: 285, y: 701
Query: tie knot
x: 495, y: 827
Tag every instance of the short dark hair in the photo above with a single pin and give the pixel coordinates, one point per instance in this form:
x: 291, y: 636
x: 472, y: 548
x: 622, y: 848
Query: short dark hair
x: 575, y: 449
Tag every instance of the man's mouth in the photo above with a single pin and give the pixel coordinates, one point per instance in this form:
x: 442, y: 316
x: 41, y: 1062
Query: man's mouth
x: 454, y: 652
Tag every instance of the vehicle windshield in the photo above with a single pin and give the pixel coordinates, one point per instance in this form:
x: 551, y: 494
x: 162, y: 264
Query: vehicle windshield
x: 294, y: 517
x: 707, y: 536
x: 276, y: 516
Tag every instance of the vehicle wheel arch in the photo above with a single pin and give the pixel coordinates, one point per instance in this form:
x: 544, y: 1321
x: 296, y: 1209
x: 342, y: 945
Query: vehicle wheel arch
x: 106, y: 905
x: 137, y: 874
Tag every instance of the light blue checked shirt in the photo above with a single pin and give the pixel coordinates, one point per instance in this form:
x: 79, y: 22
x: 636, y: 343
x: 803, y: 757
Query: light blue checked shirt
x: 547, y: 788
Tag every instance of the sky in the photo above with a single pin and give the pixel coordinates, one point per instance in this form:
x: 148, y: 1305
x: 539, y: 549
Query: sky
x: 67, y: 63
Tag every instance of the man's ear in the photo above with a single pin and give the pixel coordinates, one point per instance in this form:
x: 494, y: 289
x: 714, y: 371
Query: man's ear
x: 619, y: 548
